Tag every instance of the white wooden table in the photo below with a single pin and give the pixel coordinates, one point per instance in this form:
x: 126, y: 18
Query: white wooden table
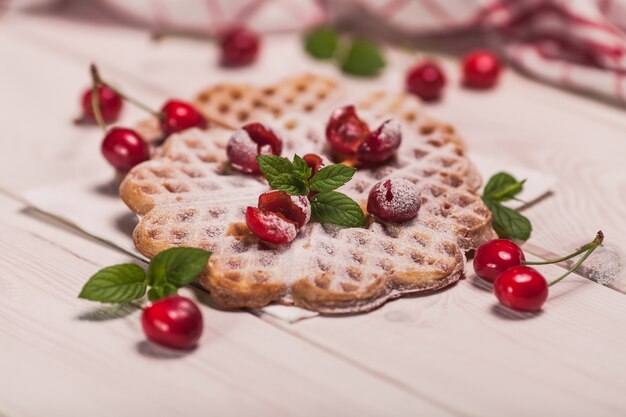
x: 455, y: 353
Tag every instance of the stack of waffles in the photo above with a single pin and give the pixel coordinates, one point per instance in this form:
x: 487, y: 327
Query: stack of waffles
x: 188, y: 195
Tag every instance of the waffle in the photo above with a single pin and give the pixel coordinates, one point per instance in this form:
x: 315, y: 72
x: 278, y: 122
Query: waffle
x: 189, y: 196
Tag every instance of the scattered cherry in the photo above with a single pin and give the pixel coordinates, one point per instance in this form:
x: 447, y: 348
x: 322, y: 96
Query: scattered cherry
x: 521, y: 288
x: 345, y: 131
x: 175, y: 322
x: 394, y: 200
x: 239, y: 47
x: 481, y: 69
x: 381, y: 144
x: 294, y: 207
x: 110, y: 104
x: 426, y: 80
x: 177, y: 115
x: 496, y: 256
x: 251, y: 140
x: 124, y: 148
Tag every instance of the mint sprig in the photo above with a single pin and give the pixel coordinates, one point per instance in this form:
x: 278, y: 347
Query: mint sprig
x: 167, y: 272
x: 321, y: 43
x: 328, y: 205
x: 358, y: 57
x: 507, y: 222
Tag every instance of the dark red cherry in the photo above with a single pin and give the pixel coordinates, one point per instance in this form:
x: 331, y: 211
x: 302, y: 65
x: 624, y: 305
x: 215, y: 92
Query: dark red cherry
x: 110, y: 104
x: 271, y: 227
x: 175, y: 322
x: 481, y: 69
x: 314, y: 161
x: 295, y: 208
x: 124, y: 148
x: 251, y: 140
x: 426, y: 80
x: 179, y: 115
x: 394, y: 200
x: 496, y: 256
x: 381, y: 144
x: 239, y: 47
x: 345, y: 131
x: 521, y: 288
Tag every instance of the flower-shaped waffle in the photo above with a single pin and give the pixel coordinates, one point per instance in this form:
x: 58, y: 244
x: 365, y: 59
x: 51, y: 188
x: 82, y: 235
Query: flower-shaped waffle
x: 189, y: 196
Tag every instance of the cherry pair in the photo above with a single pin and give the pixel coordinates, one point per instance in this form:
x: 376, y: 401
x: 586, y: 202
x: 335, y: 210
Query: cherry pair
x: 481, y: 70
x: 279, y: 216
x: 122, y: 147
x: 350, y: 137
x: 515, y: 283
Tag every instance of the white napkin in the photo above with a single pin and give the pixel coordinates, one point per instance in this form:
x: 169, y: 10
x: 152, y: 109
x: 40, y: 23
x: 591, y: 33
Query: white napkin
x: 93, y: 206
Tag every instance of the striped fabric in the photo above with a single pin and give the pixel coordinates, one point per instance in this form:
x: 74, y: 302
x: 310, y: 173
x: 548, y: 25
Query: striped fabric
x: 579, y: 44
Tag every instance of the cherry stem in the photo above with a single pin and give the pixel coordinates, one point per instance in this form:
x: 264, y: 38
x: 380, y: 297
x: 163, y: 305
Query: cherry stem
x: 582, y: 249
x: 97, y: 78
x: 588, y: 249
x: 95, y: 99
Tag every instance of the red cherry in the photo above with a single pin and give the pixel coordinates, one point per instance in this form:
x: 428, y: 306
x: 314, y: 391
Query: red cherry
x: 295, y: 208
x: 179, y: 115
x: 345, y: 131
x: 394, y: 200
x: 271, y: 227
x: 239, y: 47
x: 426, y: 80
x: 381, y: 144
x: 175, y: 322
x: 496, y: 256
x: 124, y: 148
x: 481, y: 69
x: 521, y: 288
x: 314, y: 161
x: 251, y: 140
x: 110, y: 104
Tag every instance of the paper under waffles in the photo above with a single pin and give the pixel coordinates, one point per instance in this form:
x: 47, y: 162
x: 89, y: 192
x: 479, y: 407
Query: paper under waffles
x: 189, y: 196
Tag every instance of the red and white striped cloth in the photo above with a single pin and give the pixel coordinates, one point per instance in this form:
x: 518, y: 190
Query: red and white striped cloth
x: 579, y: 44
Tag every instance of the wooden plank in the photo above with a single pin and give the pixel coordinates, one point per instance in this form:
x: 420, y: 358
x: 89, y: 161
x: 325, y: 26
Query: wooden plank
x: 463, y: 349
x: 62, y: 354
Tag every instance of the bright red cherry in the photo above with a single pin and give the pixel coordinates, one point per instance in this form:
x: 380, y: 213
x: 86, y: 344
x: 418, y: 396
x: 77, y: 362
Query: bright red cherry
x: 251, y: 140
x: 494, y: 257
x: 426, y: 80
x: 239, y: 47
x: 179, y: 115
x: 394, y: 200
x: 481, y: 69
x: 345, y: 131
x: 110, y: 104
x: 295, y: 208
x: 271, y: 227
x: 521, y: 288
x: 124, y: 148
x: 381, y: 144
x: 175, y: 322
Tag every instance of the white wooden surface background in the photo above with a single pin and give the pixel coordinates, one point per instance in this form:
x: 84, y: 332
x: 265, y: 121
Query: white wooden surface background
x: 455, y: 353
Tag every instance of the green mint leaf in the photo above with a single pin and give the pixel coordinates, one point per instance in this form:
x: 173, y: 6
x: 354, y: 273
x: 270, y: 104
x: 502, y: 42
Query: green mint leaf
x: 363, y: 58
x: 502, y: 187
x: 161, y: 291
x: 177, y: 266
x: 301, y: 169
x: 336, y: 208
x: 290, y: 184
x: 116, y: 284
x: 508, y: 223
x: 272, y: 165
x: 331, y: 177
x: 322, y: 42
